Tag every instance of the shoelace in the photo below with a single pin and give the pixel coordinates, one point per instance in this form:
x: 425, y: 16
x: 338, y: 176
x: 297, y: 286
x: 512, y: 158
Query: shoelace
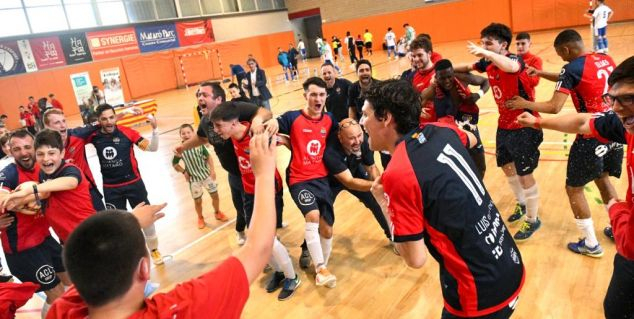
x: 525, y: 226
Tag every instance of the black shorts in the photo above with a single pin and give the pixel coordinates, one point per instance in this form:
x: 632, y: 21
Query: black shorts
x: 249, y: 200
x: 368, y: 45
x: 38, y: 264
x: 117, y: 197
x: 590, y: 158
x: 314, y: 195
x: 520, y: 147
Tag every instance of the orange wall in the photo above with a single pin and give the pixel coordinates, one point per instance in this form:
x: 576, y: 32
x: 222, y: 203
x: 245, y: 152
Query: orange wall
x: 141, y: 74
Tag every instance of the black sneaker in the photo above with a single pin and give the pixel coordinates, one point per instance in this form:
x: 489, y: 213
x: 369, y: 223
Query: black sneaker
x: 5, y: 278
x: 289, y: 287
x: 518, y: 213
x: 304, y: 259
x: 608, y: 232
x: 275, y: 282
x: 527, y: 229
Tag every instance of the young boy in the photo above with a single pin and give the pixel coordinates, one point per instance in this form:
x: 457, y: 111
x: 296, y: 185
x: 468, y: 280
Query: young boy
x: 62, y: 192
x: 199, y: 173
x: 226, y: 124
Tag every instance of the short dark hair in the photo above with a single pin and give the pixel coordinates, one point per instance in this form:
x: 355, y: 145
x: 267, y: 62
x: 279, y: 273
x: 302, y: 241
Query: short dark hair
x: 405, y: 25
x: 389, y: 29
x: 186, y: 125
x: 4, y: 139
x: 3, y: 116
x: 31, y: 97
x: 361, y: 62
x: 233, y: 85
x: 425, y: 35
x: 523, y: 36
x: 102, y: 254
x: 314, y: 81
x: 567, y: 36
x: 397, y: 97
x: 102, y: 108
x: 51, y: 95
x: 225, y: 112
x: 499, y: 32
x: 49, y: 138
x: 327, y: 63
x: 421, y: 42
x: 20, y: 133
x: 624, y: 72
x: 443, y: 64
x: 216, y: 89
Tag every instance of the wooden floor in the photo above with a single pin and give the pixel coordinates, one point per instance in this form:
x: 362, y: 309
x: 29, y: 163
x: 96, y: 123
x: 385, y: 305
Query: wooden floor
x: 372, y: 281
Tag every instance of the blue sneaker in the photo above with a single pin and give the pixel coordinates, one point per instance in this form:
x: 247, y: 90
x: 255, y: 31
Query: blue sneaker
x: 518, y: 213
x: 289, y: 287
x: 527, y: 229
x: 581, y: 248
x: 275, y: 282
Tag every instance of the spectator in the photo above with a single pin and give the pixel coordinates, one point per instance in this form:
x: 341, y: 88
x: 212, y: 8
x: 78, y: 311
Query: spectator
x: 256, y: 85
x: 282, y: 59
x: 55, y: 102
x: 27, y: 120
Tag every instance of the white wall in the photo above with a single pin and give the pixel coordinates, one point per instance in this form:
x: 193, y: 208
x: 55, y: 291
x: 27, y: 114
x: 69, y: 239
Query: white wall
x: 244, y: 26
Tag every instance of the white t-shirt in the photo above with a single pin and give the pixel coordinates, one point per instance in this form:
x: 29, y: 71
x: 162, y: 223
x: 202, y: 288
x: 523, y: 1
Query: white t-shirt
x: 327, y: 52
x: 600, y: 15
x: 254, y: 89
x: 300, y: 45
x: 390, y: 39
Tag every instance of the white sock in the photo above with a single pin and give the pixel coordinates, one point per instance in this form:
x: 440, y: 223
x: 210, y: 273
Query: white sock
x: 151, y: 239
x: 314, y: 246
x: 45, y: 308
x: 283, y: 260
x: 516, y: 187
x: 532, y: 203
x: 273, y: 263
x: 326, y: 246
x: 586, y: 226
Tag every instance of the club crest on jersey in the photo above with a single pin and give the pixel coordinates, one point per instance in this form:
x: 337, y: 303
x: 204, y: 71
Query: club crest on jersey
x: 323, y: 131
x: 71, y: 149
x: 305, y: 197
x: 244, y: 163
x: 338, y: 90
x: 45, y: 274
x: 116, y: 140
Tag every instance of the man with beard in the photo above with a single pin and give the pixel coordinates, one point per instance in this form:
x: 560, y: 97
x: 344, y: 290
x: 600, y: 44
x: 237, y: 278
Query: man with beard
x: 122, y: 182
x: 421, y: 50
x: 211, y: 94
x: 32, y: 254
x: 355, y: 99
x: 453, y: 101
x: 337, y: 88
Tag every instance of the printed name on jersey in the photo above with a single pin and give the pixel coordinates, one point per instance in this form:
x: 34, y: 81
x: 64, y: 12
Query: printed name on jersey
x: 305, y: 197
x: 45, y: 274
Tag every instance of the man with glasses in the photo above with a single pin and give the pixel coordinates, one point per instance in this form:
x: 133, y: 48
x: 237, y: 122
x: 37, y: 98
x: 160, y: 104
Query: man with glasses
x: 618, y: 126
x: 585, y: 78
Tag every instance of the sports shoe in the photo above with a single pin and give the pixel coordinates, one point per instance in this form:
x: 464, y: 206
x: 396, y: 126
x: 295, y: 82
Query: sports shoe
x: 201, y: 223
x: 325, y: 278
x: 608, y: 232
x: 288, y: 288
x: 304, y: 259
x: 581, y: 248
x: 242, y: 237
x: 156, y: 257
x: 527, y: 229
x: 518, y: 212
x: 220, y: 216
x: 276, y: 280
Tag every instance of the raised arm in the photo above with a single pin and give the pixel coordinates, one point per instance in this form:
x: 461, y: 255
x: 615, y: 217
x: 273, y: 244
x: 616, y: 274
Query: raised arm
x: 504, y: 63
x: 577, y: 123
x: 553, y: 106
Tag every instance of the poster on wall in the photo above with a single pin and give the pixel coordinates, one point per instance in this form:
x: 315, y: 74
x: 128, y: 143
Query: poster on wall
x: 10, y: 59
x: 112, y: 43
x: 111, y: 80
x: 75, y: 48
x: 27, y: 55
x: 48, y: 52
x: 157, y: 37
x: 194, y: 32
x: 81, y: 86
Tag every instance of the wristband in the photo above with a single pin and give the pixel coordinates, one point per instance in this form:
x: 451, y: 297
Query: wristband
x: 538, y: 123
x: 480, y: 93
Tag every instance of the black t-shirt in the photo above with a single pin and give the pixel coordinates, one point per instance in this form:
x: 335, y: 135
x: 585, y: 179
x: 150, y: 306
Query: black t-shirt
x: 224, y: 148
x: 355, y: 97
x: 338, y: 161
x: 337, y: 101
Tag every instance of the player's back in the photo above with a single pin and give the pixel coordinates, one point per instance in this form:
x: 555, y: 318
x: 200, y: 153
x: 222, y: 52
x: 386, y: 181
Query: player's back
x: 586, y: 80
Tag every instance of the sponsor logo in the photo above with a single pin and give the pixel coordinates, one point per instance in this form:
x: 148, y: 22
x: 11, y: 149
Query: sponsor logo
x: 313, y: 147
x: 45, y: 274
x: 601, y: 150
x: 194, y: 31
x: 305, y: 197
x: 109, y: 153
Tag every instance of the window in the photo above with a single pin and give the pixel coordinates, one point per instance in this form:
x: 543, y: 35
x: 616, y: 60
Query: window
x: 189, y: 8
x: 166, y: 9
x: 47, y: 18
x: 80, y: 15
x: 10, y: 4
x: 265, y: 4
x: 230, y: 6
x: 112, y: 12
x: 140, y: 10
x: 37, y: 3
x: 247, y: 5
x: 211, y: 6
x: 279, y: 4
x: 13, y: 22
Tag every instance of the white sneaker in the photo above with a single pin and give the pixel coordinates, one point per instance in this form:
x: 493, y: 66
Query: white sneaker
x: 242, y: 238
x: 325, y: 278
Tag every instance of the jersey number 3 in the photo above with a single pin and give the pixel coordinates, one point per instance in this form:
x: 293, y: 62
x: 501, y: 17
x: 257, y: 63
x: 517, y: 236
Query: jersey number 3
x: 457, y: 163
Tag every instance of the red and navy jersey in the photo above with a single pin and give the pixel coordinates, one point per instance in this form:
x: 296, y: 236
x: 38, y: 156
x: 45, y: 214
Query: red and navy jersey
x: 434, y: 193
x: 116, y: 155
x: 241, y: 147
x: 586, y: 80
x: 26, y: 231
x: 76, y: 149
x: 421, y: 81
x: 536, y: 62
x: 504, y: 87
x: 65, y: 210
x: 308, y: 143
x: 459, y: 107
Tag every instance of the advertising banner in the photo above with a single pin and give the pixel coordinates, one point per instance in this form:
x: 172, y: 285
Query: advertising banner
x: 10, y: 59
x: 81, y: 86
x: 112, y: 43
x: 48, y: 52
x: 75, y: 48
x: 111, y: 80
x: 157, y: 37
x: 27, y: 55
x: 194, y: 32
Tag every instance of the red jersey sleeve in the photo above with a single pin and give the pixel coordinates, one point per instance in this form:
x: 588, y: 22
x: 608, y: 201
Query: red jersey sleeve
x: 622, y: 221
x: 133, y: 135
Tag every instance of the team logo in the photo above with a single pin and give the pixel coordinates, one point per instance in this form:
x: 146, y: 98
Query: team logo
x: 71, y: 149
x: 244, y: 163
x: 601, y: 150
x: 313, y: 147
x: 45, y: 275
x: 338, y: 90
x: 305, y: 197
x: 109, y: 153
x: 116, y: 140
x: 323, y: 131
x: 9, y: 60
x: 514, y: 256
